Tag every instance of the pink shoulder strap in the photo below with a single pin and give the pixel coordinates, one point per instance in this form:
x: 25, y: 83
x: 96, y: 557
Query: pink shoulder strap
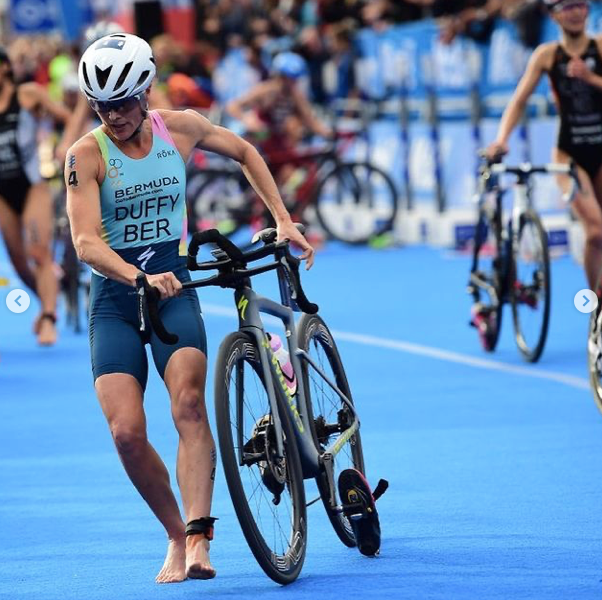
x: 159, y: 128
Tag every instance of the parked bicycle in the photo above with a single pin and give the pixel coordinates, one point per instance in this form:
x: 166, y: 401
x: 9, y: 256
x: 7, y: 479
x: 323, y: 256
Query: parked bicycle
x: 273, y: 431
x: 75, y: 280
x: 353, y: 201
x: 511, y: 262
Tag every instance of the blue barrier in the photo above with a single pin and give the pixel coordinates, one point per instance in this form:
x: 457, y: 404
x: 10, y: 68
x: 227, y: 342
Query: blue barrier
x: 452, y: 97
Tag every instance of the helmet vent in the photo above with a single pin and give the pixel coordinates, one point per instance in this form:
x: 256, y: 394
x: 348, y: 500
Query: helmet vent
x: 85, y: 72
x: 102, y: 76
x: 143, y: 77
x: 123, y: 75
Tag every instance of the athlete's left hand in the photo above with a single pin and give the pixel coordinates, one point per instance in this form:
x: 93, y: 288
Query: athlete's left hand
x: 288, y: 231
x: 576, y: 67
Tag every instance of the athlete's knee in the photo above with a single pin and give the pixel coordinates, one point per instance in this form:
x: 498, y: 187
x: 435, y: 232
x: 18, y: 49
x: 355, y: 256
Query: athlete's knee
x: 39, y: 253
x: 130, y: 440
x: 593, y: 234
x: 188, y: 406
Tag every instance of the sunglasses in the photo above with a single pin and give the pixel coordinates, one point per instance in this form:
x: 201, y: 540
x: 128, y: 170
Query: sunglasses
x: 121, y: 106
x: 569, y: 4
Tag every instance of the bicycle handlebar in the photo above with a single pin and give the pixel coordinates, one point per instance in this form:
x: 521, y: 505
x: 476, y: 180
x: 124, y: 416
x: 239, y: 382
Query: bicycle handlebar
x: 231, y: 263
x: 527, y: 169
x: 494, y: 166
x: 148, y: 297
x: 213, y: 236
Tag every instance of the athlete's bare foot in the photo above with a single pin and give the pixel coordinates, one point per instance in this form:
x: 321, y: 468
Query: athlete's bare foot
x: 174, y: 567
x: 45, y: 328
x: 198, y: 565
x: 36, y: 324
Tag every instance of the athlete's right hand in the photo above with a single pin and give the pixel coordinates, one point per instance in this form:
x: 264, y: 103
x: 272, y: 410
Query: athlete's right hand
x: 167, y: 284
x: 496, y: 150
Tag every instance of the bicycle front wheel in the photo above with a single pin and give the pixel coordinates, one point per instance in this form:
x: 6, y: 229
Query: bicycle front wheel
x: 328, y: 414
x: 266, y: 490
x: 530, y: 287
x: 356, y: 202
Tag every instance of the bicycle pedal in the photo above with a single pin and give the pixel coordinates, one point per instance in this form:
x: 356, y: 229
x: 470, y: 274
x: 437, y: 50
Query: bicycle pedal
x: 360, y: 509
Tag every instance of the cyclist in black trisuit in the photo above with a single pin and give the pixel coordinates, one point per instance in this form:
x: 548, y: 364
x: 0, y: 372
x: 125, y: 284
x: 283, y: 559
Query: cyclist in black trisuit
x: 574, y: 66
x: 26, y: 219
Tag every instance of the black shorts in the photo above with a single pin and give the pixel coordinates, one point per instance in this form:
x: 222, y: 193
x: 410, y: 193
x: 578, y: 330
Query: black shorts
x: 116, y: 343
x: 14, y: 191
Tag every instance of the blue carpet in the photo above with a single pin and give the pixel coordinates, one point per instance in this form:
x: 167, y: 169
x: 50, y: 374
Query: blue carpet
x: 495, y: 474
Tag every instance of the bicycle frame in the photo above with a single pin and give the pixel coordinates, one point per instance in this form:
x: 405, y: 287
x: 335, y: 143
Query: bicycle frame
x: 234, y: 274
x: 249, y: 306
x: 521, y: 202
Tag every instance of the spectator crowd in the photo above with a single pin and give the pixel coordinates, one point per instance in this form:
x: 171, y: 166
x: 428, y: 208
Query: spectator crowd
x: 321, y: 31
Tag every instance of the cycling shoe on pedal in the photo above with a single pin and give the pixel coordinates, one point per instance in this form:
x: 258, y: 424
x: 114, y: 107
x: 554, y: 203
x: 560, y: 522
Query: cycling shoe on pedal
x: 359, y: 506
x: 526, y: 294
x: 481, y: 318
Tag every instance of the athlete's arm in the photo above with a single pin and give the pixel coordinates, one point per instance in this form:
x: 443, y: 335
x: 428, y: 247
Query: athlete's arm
x: 82, y: 174
x: 307, y: 114
x: 244, y: 108
x: 33, y: 96
x: 539, y: 63
x: 222, y: 141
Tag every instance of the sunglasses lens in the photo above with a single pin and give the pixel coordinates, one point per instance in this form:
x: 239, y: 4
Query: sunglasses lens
x: 570, y: 5
x: 115, y: 105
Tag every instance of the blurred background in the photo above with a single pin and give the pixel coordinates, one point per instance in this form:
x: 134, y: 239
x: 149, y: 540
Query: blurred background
x: 423, y: 82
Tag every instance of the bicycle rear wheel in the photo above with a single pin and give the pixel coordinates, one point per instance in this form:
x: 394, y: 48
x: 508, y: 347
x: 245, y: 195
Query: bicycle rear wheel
x: 594, y: 348
x: 487, y: 277
x: 356, y: 202
x: 530, y: 287
x: 218, y: 199
x: 267, y: 492
x: 328, y: 415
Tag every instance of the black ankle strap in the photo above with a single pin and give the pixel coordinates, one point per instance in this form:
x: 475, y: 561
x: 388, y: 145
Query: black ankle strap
x: 49, y: 316
x: 204, y: 526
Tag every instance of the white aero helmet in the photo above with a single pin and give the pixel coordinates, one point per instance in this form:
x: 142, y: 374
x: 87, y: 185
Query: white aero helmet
x: 117, y: 66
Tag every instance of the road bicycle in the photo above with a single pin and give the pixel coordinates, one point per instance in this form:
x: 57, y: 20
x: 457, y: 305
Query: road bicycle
x: 271, y: 437
x: 510, y: 261
x: 354, y: 202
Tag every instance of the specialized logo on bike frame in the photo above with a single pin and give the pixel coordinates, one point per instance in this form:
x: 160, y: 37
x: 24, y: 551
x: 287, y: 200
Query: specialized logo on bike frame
x: 145, y: 257
x: 242, y: 307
